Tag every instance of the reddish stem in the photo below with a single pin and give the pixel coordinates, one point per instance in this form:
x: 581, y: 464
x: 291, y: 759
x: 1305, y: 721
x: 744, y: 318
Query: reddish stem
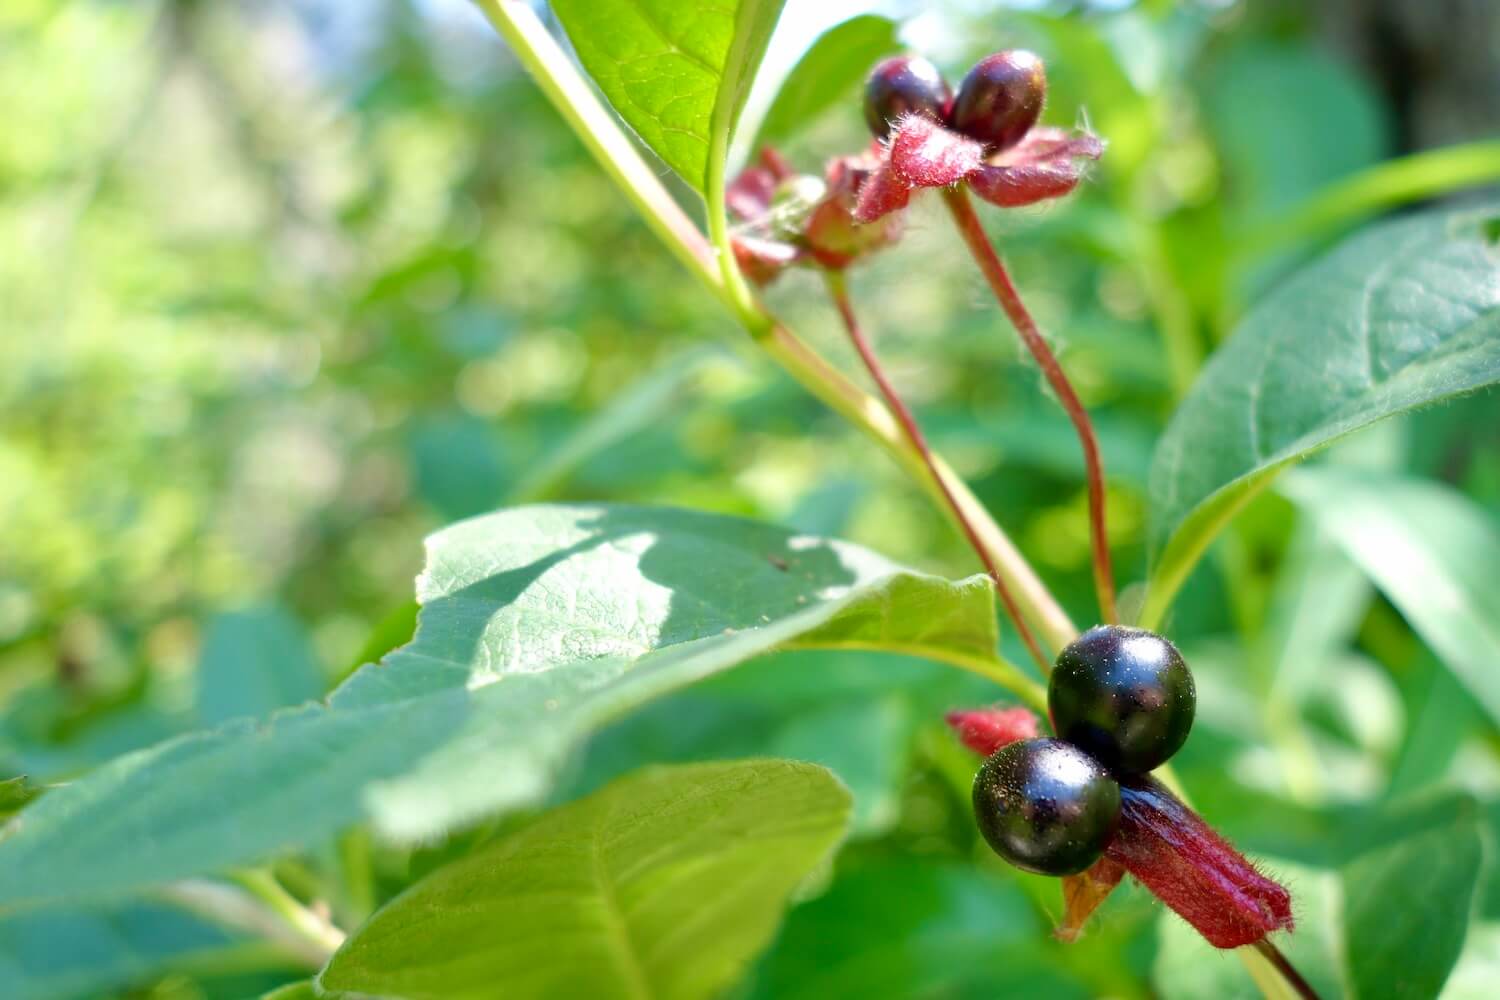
x: 840, y: 296
x: 1010, y: 300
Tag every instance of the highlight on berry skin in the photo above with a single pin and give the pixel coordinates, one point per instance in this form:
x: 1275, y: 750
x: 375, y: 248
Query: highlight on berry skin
x: 1001, y: 98
x: 1124, y: 695
x: 903, y: 85
x: 1046, y: 806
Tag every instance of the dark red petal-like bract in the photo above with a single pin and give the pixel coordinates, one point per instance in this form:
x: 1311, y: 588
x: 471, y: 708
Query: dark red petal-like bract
x: 1046, y: 164
x: 1170, y: 850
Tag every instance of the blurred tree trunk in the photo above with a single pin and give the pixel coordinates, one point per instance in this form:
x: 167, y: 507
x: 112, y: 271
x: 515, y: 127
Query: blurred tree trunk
x: 1438, y: 62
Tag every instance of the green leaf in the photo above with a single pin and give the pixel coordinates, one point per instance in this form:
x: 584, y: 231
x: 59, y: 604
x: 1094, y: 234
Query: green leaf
x: 1327, y: 114
x: 827, y: 74
x: 538, y: 625
x: 678, y: 73
x: 664, y: 884
x: 15, y: 795
x: 855, y: 713
x: 914, y: 929
x: 255, y: 661
x: 68, y: 953
x: 300, y: 990
x: 458, y: 465
x: 1402, y: 315
x: 1315, y: 609
x: 1430, y: 550
x: 1406, y: 911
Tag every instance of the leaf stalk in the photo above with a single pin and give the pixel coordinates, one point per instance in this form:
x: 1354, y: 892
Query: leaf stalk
x: 838, y: 291
x: 973, y: 234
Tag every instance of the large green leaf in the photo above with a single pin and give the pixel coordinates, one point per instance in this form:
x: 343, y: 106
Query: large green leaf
x: 1405, y: 314
x: 827, y: 74
x: 663, y: 884
x: 61, y: 954
x: 538, y: 625
x: 678, y: 73
x: 1406, y: 911
x: 1430, y: 550
x: 916, y: 929
x: 1326, y: 119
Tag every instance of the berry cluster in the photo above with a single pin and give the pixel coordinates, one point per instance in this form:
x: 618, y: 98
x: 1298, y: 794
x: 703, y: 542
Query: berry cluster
x: 1121, y: 701
x: 997, y: 103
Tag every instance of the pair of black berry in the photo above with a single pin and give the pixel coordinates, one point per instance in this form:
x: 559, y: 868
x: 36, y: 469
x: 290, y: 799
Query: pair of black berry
x: 1122, y: 702
x: 997, y: 103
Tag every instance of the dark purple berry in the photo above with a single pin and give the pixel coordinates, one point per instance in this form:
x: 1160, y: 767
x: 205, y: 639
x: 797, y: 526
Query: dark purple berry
x: 1001, y: 98
x: 1123, y: 695
x: 904, y: 85
x: 1046, y: 806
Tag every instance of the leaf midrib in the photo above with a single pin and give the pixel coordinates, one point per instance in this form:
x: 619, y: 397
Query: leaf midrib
x: 616, y: 925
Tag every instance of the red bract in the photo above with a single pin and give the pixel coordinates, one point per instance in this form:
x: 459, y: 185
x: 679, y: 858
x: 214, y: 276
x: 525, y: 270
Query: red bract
x: 749, y: 194
x: 921, y: 153
x: 1170, y: 850
x: 985, y: 730
x: 790, y: 219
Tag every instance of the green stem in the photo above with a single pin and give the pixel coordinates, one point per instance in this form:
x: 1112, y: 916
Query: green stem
x: 293, y: 931
x: 359, y: 879
x: 304, y: 922
x: 560, y: 80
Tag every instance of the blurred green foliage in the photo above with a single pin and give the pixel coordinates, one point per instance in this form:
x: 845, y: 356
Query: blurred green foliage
x: 286, y: 286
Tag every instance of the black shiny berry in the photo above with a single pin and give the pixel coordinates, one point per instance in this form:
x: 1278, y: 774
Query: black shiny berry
x: 1123, y: 695
x: 904, y: 85
x: 1001, y: 98
x: 1046, y: 806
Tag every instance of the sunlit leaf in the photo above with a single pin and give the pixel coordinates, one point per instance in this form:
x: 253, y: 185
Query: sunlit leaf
x: 538, y: 625
x: 663, y: 884
x: 678, y: 73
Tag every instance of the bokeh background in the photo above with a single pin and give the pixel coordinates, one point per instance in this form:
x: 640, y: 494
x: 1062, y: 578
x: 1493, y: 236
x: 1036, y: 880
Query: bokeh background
x: 285, y: 285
